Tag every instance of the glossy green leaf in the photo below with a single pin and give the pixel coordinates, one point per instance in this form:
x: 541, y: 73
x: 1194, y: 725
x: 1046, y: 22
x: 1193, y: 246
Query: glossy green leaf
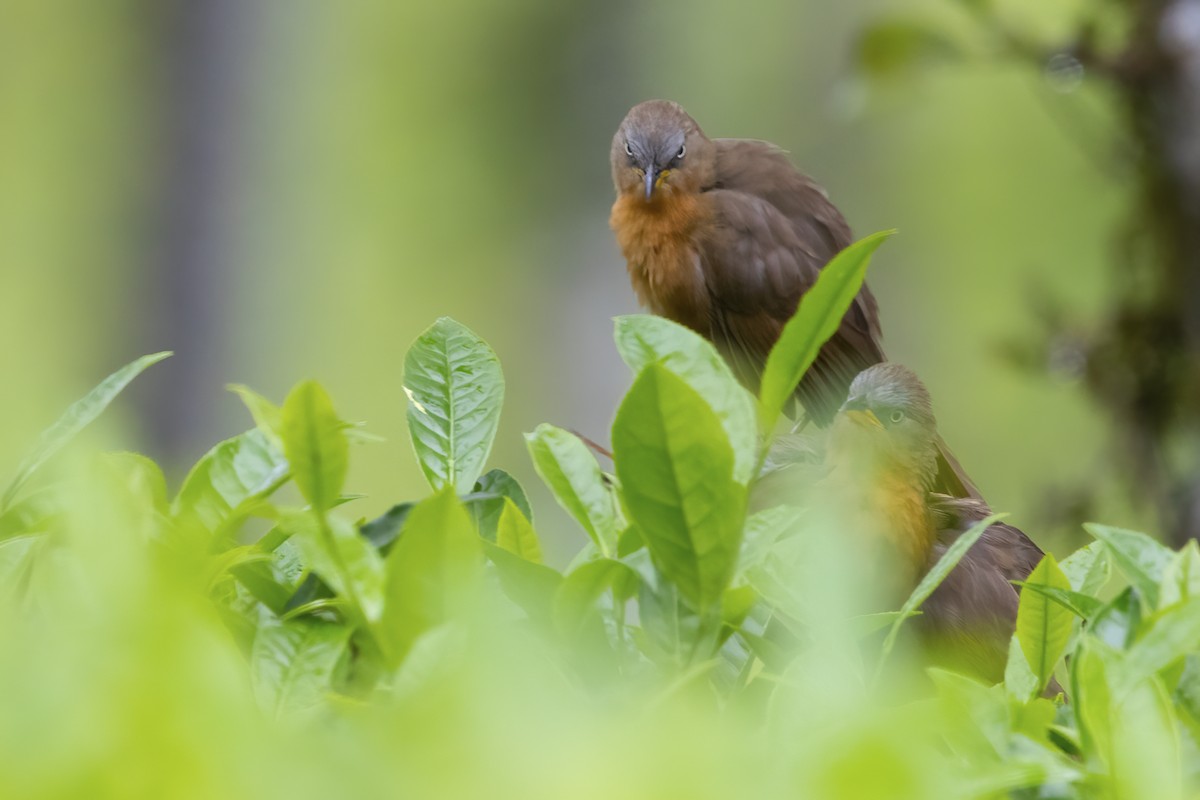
x: 432, y: 571
x: 815, y: 321
x: 1181, y: 578
x: 1139, y: 557
x: 292, y: 663
x: 228, y: 480
x: 342, y: 558
x: 1043, y: 625
x: 78, y: 416
x: 1088, y: 568
x: 486, y: 500
x: 516, y: 535
x: 315, y: 445
x: 645, y: 339
x: 568, y: 467
x: 763, y: 529
x: 455, y: 390
x: 675, y: 466
x: 267, y: 416
x: 1081, y: 605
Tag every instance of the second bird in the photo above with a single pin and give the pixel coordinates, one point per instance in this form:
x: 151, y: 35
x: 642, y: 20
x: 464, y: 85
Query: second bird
x: 725, y: 236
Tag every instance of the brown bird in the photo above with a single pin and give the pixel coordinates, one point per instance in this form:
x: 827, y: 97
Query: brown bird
x: 725, y: 236
x: 881, y: 460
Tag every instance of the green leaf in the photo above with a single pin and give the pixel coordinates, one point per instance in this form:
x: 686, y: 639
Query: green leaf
x: 579, y: 591
x: 1091, y: 696
x: 1181, y: 578
x: 1044, y: 626
x: 675, y: 466
x: 1142, y: 559
x: 931, y: 580
x: 567, y: 466
x: 455, y: 390
x: 815, y: 321
x: 432, y: 572
x: 763, y: 529
x: 228, y: 480
x: 487, y: 501
x: 1081, y: 605
x: 267, y: 416
x: 516, y: 535
x: 315, y: 444
x: 531, y: 586
x: 292, y: 663
x: 644, y: 339
x: 1169, y: 636
x: 1088, y: 568
x: 81, y: 414
x: 345, y: 560
x: 1020, y: 681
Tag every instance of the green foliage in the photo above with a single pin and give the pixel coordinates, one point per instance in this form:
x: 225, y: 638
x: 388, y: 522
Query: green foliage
x: 704, y: 648
x: 455, y: 390
x: 818, y: 317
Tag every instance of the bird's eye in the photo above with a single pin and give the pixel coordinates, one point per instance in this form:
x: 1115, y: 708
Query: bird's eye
x: 896, y: 416
x: 682, y: 150
x: 628, y: 149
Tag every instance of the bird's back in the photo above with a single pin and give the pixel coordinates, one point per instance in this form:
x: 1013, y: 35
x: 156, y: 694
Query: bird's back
x: 775, y: 230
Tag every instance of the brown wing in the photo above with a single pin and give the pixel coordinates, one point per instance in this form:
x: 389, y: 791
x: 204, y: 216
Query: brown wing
x: 1007, y: 548
x: 757, y: 267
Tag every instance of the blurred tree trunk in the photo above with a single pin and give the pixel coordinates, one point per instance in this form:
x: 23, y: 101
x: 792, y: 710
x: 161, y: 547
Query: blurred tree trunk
x: 1144, y: 364
x: 189, y: 273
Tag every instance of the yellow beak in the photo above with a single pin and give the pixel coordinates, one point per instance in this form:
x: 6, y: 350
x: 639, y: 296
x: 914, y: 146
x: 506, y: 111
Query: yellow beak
x: 865, y: 418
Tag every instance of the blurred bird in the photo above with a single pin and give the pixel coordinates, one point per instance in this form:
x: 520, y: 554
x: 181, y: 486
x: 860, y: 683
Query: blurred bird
x: 724, y: 236
x: 881, y: 466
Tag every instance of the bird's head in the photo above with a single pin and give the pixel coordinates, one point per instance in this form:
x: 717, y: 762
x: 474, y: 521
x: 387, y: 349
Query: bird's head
x: 658, y: 150
x: 887, y: 421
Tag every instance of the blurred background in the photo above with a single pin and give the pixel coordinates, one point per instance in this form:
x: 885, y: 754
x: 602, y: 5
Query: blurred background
x: 283, y: 189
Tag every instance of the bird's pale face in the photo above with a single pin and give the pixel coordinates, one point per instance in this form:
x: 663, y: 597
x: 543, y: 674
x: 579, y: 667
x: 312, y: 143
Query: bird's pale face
x: 659, y: 150
x: 886, y: 423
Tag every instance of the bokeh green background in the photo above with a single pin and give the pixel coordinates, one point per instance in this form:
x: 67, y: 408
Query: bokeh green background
x: 285, y: 189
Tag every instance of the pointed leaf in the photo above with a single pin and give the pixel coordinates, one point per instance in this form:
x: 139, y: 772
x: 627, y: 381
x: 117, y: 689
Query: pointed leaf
x: 1088, y: 568
x: 343, y: 559
x: 644, y: 339
x: 267, y: 416
x: 292, y: 663
x: 1139, y: 557
x: 315, y: 445
x: 531, y: 586
x: 432, y: 571
x: 1169, y: 636
x: 228, y: 480
x: 1181, y: 578
x: 675, y: 466
x: 487, y: 501
x: 815, y: 321
x: 579, y: 591
x: 80, y: 414
x: 568, y: 467
x: 1044, y: 626
x: 455, y: 390
x: 516, y: 535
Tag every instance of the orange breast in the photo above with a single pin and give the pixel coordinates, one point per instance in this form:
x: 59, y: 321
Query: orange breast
x: 657, y: 240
